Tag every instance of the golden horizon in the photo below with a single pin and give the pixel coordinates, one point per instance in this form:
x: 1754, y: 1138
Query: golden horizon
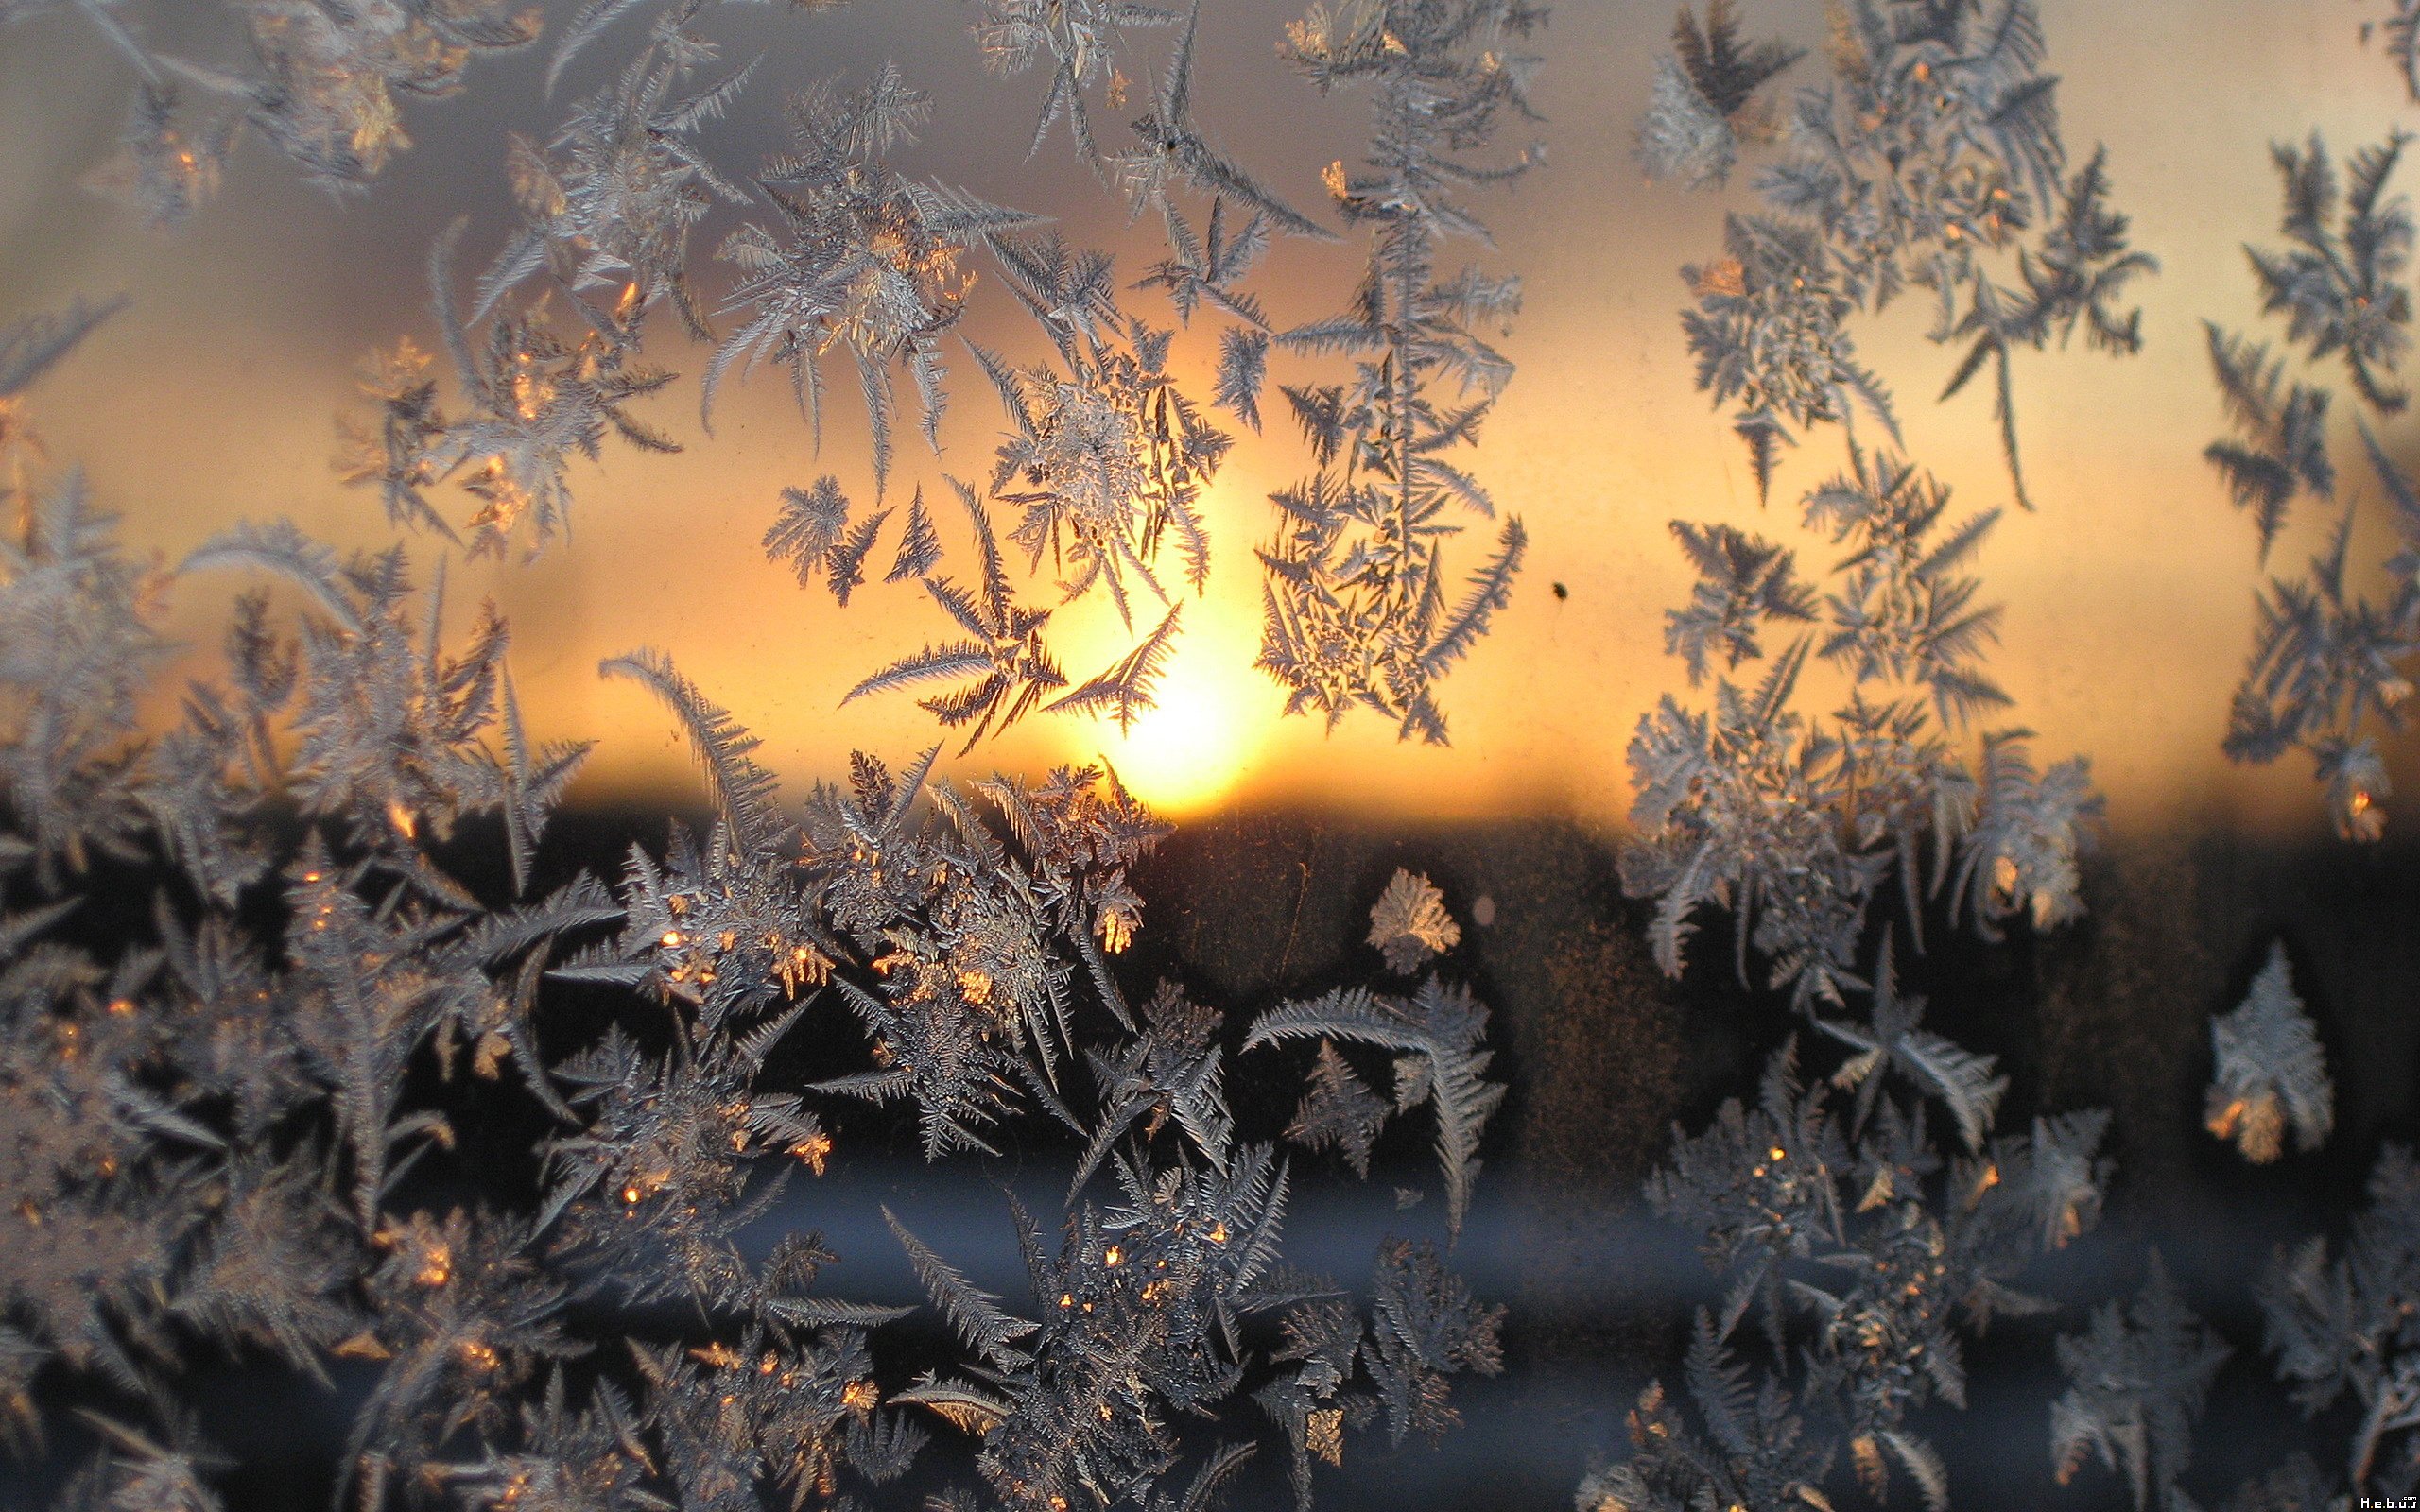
x: 2128, y: 598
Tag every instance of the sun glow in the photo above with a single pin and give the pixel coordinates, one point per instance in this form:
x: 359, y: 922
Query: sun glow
x: 1214, y: 714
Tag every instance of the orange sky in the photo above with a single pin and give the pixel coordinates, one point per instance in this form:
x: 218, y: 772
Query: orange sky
x: 2128, y: 597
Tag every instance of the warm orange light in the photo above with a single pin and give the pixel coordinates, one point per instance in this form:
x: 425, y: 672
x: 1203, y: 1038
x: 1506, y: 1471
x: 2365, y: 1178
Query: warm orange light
x: 813, y: 1151
x: 1600, y: 438
x: 1214, y: 711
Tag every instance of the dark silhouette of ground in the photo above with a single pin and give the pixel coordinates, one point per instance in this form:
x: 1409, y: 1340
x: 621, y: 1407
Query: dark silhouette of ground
x: 1603, y: 1055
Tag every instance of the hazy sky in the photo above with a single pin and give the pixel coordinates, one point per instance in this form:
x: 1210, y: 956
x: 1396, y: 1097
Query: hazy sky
x: 2129, y: 597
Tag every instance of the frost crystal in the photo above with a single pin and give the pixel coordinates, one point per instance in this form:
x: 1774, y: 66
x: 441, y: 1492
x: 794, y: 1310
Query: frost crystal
x: 1410, y: 923
x: 1438, y: 1029
x: 2341, y: 290
x: 1076, y: 40
x: 250, y: 1126
x: 1862, y: 1249
x: 1357, y: 607
x: 2346, y: 1326
x: 1106, y: 457
x: 1925, y: 161
x: 1703, y: 101
x: 2327, y: 661
x: 2270, y: 1074
x: 1754, y: 1451
x: 858, y: 257
x: 612, y: 195
x: 1793, y: 821
x: 535, y: 400
x: 2136, y: 1380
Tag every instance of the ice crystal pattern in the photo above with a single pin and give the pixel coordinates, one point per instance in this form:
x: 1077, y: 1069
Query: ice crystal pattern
x: 324, y: 84
x: 1411, y: 922
x: 2399, y: 35
x: 534, y: 399
x: 2270, y: 1074
x: 2343, y: 1327
x: 1927, y: 158
x: 611, y: 197
x: 857, y: 259
x: 252, y: 1125
x: 2137, y: 1377
x: 1933, y: 148
x: 1863, y: 1253
x: 834, y: 263
x: 1794, y: 821
x: 1359, y: 606
x: 2329, y: 668
x: 1705, y: 98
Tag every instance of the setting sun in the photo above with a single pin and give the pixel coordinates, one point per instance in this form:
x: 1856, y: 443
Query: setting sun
x: 1213, y: 713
